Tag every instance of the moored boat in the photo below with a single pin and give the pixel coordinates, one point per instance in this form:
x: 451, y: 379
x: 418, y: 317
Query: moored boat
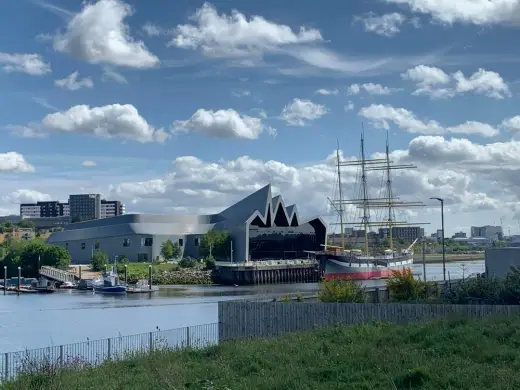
x: 337, y: 262
x: 109, y: 284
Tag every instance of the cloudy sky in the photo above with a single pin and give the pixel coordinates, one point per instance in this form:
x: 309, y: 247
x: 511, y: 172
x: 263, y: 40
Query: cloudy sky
x: 186, y: 106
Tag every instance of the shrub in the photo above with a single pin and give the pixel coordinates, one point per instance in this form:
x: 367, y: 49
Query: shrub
x: 210, y: 263
x: 403, y: 287
x: 345, y: 291
x: 489, y: 290
x: 188, y: 262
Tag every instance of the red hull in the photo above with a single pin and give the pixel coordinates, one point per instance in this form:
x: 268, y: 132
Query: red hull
x: 383, y: 274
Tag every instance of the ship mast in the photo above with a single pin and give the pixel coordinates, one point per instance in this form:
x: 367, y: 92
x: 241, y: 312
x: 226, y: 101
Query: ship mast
x: 366, y: 211
x: 389, y: 194
x: 366, y: 202
x: 340, y: 200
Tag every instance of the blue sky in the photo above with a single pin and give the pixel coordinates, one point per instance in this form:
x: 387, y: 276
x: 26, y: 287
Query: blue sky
x: 186, y: 106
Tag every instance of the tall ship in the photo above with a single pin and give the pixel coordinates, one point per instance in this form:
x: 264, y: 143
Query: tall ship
x: 360, y: 260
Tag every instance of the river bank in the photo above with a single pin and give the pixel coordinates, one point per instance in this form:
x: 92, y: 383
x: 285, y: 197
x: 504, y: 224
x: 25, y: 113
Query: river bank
x: 437, y: 258
x: 456, y: 353
x: 174, y: 276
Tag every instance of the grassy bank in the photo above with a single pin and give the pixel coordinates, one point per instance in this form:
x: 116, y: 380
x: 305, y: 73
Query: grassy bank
x: 456, y: 354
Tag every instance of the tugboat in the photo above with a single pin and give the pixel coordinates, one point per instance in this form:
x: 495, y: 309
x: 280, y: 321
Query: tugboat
x: 109, y: 284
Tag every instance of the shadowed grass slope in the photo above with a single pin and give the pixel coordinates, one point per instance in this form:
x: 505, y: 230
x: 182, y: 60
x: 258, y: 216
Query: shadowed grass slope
x: 446, y: 354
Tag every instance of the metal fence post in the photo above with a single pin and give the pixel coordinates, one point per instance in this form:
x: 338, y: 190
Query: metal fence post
x: 61, y: 355
x: 109, y: 348
x: 187, y: 336
x: 151, y: 341
x: 6, y: 368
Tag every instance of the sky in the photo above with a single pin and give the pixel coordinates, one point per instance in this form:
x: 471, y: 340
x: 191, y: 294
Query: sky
x: 188, y: 106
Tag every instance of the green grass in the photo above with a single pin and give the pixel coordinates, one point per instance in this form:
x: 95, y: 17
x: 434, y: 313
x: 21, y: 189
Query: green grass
x: 448, y: 354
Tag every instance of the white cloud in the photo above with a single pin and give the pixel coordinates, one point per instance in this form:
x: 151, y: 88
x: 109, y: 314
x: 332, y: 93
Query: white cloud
x: 478, y: 12
x: 298, y: 112
x: 26, y: 196
x: 380, y: 115
x: 31, y: 64
x: 15, y: 163
x: 223, y: 124
x: 111, y: 74
x: 235, y: 35
x: 121, y: 121
x: 242, y: 93
x: 44, y: 37
x: 152, y: 30
x: 437, y: 84
x: 98, y: 34
x: 89, y: 163
x: 72, y: 83
x: 386, y: 25
x: 323, y: 91
x: 470, y: 177
x: 370, y: 88
x: 349, y: 106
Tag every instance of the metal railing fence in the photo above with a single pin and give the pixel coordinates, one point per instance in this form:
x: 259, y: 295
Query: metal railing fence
x: 96, y: 352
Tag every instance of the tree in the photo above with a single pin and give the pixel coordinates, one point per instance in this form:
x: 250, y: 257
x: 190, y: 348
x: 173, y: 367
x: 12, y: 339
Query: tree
x: 98, y: 261
x: 27, y: 254
x: 75, y: 218
x: 167, y: 250
x: 176, y: 250
x: 25, y: 224
x: 216, y: 244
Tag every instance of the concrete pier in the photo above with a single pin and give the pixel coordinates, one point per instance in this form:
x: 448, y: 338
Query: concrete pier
x: 267, y: 272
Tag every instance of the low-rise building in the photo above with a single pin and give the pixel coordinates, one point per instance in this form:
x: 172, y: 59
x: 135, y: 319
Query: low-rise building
x: 260, y: 227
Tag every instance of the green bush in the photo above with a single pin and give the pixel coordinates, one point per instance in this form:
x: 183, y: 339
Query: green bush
x: 345, y: 291
x: 403, y: 287
x: 210, y: 263
x: 98, y: 261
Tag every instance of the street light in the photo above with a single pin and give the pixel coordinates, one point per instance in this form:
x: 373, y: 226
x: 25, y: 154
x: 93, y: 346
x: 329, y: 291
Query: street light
x: 443, y: 247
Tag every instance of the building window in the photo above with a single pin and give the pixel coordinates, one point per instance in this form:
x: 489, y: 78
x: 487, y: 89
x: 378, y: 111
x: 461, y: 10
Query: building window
x: 126, y: 242
x: 148, y: 241
x: 181, y: 242
x: 196, y: 241
x: 83, y: 245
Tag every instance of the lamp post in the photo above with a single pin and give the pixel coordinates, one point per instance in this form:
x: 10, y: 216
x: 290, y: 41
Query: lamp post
x: 443, y: 247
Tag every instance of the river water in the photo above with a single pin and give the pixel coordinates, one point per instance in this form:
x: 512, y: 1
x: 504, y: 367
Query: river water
x: 40, y: 320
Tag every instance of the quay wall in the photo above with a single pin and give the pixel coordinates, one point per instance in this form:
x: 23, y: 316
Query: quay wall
x: 270, y: 319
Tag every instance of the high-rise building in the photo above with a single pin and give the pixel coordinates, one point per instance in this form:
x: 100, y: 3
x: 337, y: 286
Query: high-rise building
x: 50, y: 209
x: 489, y: 232
x: 111, y: 208
x: 85, y: 207
x: 407, y: 233
x: 82, y: 207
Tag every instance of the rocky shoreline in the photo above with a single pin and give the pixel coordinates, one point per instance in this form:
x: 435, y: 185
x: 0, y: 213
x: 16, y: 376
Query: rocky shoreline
x: 181, y: 276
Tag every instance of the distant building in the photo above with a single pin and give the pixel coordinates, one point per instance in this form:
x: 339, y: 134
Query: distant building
x: 489, y: 232
x: 406, y: 233
x: 260, y: 226
x: 51, y: 209
x: 111, y: 208
x: 439, y: 234
x: 80, y: 207
x: 459, y: 235
x: 85, y: 207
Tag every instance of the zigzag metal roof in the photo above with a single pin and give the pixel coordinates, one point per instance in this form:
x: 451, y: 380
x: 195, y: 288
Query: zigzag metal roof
x: 259, y: 204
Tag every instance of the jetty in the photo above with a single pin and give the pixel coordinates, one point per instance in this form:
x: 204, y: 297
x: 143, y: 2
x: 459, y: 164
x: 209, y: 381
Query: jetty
x: 267, y: 272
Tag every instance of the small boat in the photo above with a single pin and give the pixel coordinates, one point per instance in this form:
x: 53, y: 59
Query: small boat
x: 109, y: 284
x: 67, y: 286
x: 44, y: 286
x: 142, y: 286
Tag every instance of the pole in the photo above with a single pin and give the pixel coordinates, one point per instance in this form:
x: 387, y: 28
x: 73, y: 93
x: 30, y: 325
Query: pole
x: 231, y: 243
x: 126, y: 274
x: 443, y: 246
x: 19, y: 279
x: 424, y: 258
x: 79, y: 268
x: 39, y: 265
x: 5, y: 279
x: 150, y: 277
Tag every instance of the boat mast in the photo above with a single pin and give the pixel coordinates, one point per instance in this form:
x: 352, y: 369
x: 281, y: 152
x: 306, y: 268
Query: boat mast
x: 340, y: 200
x: 365, y: 191
x: 389, y: 193
x: 389, y: 201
